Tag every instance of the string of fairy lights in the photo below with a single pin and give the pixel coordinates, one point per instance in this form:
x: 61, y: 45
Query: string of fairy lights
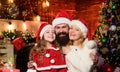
x: 23, y: 9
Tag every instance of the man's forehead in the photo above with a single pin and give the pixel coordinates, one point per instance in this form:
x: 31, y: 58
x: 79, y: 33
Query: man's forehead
x: 62, y: 24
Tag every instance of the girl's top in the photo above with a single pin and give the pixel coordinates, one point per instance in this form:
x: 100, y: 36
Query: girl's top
x: 52, y: 61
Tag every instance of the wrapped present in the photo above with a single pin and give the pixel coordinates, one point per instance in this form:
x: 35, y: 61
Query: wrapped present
x: 18, y: 43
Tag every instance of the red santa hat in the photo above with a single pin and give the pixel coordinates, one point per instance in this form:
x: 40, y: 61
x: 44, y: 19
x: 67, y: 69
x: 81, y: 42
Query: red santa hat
x: 42, y: 30
x: 83, y: 27
x: 62, y: 17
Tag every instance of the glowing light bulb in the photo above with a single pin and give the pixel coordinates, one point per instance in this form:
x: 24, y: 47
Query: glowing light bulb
x: 10, y: 26
x: 10, y: 1
x: 38, y: 18
x: 47, y: 3
x: 24, y: 26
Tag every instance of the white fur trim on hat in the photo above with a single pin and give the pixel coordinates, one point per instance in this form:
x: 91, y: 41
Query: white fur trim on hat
x: 82, y: 27
x: 44, y: 29
x: 60, y: 20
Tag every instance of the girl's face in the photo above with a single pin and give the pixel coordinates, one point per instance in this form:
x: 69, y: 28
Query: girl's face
x: 75, y: 33
x: 49, y: 35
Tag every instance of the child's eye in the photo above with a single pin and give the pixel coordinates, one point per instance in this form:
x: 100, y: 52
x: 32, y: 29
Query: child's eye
x: 53, y: 31
x: 47, y: 32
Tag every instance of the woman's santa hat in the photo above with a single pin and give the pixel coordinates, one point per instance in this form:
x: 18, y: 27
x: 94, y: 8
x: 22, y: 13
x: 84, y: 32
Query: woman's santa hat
x: 83, y: 27
x: 42, y: 30
x: 62, y: 17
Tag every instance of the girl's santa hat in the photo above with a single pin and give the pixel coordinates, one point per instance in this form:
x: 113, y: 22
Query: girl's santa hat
x: 62, y: 17
x: 83, y: 27
x: 41, y: 31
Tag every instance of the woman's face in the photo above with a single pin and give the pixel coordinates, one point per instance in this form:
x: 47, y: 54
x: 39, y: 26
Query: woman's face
x: 49, y: 35
x: 75, y: 33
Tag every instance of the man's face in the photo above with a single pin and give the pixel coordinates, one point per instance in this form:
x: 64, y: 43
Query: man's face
x: 62, y: 35
x: 61, y: 29
x: 49, y: 35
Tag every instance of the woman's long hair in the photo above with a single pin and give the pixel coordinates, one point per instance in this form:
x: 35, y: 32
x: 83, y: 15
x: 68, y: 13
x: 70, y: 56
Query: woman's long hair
x: 39, y: 48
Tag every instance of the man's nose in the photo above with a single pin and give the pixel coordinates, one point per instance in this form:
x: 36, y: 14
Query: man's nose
x: 61, y: 30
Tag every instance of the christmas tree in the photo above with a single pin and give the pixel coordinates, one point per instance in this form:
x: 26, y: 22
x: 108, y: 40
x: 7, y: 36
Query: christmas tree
x: 107, y: 34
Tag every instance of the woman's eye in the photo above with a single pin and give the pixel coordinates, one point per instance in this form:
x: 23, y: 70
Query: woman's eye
x: 77, y: 30
x: 47, y: 32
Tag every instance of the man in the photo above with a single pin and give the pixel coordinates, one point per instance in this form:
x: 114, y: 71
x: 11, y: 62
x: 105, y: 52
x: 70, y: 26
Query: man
x: 61, y: 25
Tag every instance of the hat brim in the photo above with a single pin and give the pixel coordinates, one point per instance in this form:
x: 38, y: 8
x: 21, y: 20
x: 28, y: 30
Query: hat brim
x: 61, y: 20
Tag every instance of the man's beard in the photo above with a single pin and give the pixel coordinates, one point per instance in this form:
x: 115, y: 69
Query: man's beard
x: 62, y: 40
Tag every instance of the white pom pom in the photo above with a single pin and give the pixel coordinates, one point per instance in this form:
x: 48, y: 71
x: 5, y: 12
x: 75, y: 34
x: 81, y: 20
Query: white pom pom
x: 113, y: 28
x: 52, y: 61
x: 47, y: 55
x: 92, y: 44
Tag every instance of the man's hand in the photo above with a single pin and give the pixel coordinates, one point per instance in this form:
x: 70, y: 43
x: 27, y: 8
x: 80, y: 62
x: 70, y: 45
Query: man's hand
x: 32, y: 65
x: 94, y: 56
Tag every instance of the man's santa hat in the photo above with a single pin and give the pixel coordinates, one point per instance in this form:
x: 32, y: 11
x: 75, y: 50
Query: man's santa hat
x: 41, y: 31
x: 83, y: 27
x: 62, y: 17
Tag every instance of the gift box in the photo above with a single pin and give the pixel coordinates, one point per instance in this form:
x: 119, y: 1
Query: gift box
x: 18, y: 43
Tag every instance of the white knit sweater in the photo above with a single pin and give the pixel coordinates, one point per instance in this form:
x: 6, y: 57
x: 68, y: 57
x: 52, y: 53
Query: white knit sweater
x: 78, y: 59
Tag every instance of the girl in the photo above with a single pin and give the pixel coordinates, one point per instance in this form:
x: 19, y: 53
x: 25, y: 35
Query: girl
x: 45, y: 57
x: 79, y: 49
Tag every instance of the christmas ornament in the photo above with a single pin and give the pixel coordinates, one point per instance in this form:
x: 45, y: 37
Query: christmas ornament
x: 99, y: 27
x: 104, y: 50
x: 114, y: 6
x: 112, y: 28
x: 100, y: 43
x: 103, y: 40
x: 107, y: 68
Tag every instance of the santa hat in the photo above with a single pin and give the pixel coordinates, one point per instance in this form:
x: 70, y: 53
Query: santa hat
x: 83, y: 27
x: 42, y: 30
x: 62, y: 17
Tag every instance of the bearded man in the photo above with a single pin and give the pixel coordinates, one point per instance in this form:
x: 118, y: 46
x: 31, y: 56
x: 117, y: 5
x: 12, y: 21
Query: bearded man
x: 61, y: 25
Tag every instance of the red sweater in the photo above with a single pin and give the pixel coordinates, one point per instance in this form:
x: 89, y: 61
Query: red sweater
x: 52, y: 61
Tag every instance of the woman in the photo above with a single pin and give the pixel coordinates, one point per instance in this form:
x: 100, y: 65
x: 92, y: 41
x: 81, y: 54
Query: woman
x: 78, y: 53
x: 45, y: 56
